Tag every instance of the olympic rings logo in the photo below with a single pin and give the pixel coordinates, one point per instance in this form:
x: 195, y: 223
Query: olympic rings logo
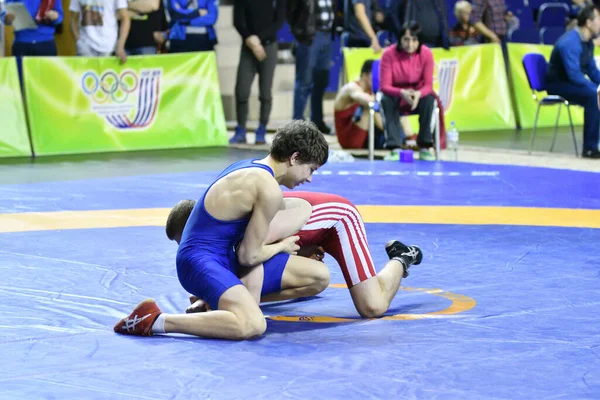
x: 109, y: 85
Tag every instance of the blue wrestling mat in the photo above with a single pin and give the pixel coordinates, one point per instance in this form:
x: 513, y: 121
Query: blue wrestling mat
x: 504, y: 305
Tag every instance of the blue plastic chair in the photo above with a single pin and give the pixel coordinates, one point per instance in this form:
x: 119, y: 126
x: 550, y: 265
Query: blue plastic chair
x: 522, y: 12
x: 551, y: 34
x: 535, y: 66
x: 525, y: 36
x: 553, y: 14
x: 535, y: 4
x: 514, y: 4
x: 375, y: 76
x: 573, y: 9
x: 525, y: 16
x: 386, y: 38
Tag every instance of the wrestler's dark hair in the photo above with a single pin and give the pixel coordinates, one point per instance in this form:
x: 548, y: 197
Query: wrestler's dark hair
x: 585, y: 14
x: 367, y: 67
x: 303, y: 137
x: 178, y: 217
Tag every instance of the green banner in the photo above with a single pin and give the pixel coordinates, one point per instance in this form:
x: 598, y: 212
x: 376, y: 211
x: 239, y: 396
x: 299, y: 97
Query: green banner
x: 14, y: 140
x: 526, y: 105
x: 470, y: 80
x: 84, y: 105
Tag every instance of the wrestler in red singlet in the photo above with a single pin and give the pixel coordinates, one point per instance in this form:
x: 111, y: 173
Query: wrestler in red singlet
x: 336, y: 225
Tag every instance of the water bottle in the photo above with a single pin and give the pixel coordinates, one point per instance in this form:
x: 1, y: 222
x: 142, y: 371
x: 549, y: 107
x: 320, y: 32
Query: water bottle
x: 452, y: 136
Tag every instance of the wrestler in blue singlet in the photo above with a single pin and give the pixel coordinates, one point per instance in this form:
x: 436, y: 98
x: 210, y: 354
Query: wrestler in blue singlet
x: 206, y: 263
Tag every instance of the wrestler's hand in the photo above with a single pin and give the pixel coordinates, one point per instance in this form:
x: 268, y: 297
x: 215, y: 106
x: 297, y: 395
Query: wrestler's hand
x: 197, y: 305
x: 313, y: 252
x: 290, y: 246
x: 51, y: 15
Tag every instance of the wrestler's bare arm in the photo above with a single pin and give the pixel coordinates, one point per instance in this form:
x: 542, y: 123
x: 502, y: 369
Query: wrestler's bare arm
x: 359, y: 96
x: 253, y: 249
x: 292, y: 216
x: 352, y: 93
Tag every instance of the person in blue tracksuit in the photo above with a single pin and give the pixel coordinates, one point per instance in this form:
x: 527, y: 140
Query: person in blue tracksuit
x: 571, y: 60
x: 192, y: 25
x: 40, y: 41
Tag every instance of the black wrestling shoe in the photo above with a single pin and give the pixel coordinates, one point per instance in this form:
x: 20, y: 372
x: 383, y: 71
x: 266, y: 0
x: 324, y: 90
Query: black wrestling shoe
x: 407, y: 255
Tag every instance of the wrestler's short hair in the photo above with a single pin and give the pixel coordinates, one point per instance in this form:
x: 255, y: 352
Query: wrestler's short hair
x: 178, y: 218
x: 367, y: 67
x: 302, y: 137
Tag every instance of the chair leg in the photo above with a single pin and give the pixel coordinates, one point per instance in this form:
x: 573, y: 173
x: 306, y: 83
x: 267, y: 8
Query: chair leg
x: 572, y: 131
x: 379, y: 98
x: 555, y: 128
x: 537, y: 114
x: 436, y: 122
x: 371, y: 133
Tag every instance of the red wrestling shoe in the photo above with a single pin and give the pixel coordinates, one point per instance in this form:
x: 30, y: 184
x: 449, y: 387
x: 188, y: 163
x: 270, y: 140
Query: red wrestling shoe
x: 140, y: 321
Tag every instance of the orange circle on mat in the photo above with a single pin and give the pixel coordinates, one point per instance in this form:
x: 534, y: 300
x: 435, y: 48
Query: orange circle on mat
x: 460, y: 303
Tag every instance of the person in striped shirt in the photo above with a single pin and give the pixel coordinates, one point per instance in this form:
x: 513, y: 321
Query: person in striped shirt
x: 334, y: 227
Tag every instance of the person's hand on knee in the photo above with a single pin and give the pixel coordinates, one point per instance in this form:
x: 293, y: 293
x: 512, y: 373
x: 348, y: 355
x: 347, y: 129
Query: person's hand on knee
x: 416, y: 96
x: 407, y: 95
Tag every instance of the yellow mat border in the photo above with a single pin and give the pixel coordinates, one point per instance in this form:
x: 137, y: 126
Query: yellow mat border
x: 459, y: 215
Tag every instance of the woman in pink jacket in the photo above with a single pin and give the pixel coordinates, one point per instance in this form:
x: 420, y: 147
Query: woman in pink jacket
x: 406, y: 75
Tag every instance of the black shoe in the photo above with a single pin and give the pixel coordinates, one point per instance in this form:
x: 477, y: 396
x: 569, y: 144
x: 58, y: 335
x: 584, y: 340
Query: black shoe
x: 407, y: 255
x: 590, y: 154
x: 323, y: 127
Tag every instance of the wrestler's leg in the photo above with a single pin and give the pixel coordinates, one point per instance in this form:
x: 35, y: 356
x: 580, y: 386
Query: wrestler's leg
x: 236, y: 316
x: 371, y: 293
x: 285, y: 277
x: 301, y: 277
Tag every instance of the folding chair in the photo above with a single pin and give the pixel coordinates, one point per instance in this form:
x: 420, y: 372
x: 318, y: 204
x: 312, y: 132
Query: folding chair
x: 535, y: 66
x: 550, y: 35
x: 523, y: 35
x: 553, y: 14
